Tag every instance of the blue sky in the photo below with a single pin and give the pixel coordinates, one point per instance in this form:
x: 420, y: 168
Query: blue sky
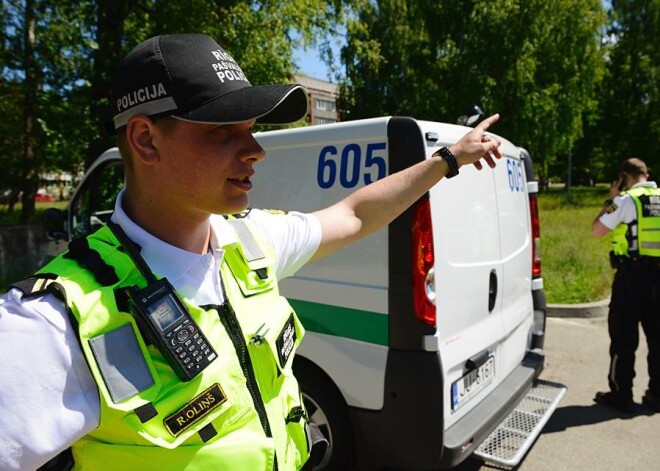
x: 309, y: 60
x: 310, y: 63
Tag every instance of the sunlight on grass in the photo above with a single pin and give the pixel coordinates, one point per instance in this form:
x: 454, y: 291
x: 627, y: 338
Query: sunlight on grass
x: 575, y: 263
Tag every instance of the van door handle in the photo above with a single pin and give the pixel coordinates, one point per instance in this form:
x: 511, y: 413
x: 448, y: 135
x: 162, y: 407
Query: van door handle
x: 492, y: 290
x: 477, y: 360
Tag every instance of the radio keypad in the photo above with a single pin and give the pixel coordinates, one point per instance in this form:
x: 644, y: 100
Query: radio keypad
x: 189, y: 343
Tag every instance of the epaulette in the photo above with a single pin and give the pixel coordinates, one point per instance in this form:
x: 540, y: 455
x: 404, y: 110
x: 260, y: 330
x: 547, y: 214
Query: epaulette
x: 44, y: 283
x: 279, y: 212
x: 240, y: 215
x: 35, y: 285
x: 243, y: 214
x: 611, y: 207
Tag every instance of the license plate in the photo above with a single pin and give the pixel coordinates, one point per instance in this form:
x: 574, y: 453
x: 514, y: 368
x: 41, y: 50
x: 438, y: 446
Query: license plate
x: 471, y: 383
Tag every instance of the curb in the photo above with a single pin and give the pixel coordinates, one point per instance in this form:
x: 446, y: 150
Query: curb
x: 585, y: 310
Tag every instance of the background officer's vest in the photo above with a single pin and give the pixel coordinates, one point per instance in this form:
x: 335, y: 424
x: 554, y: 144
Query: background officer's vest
x: 640, y: 237
x: 243, y: 412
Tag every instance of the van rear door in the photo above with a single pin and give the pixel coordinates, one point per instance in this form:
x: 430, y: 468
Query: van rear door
x: 468, y: 262
x: 515, y: 292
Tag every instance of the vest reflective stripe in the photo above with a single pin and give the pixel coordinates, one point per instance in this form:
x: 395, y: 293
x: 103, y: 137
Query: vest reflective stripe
x: 218, y: 396
x: 642, y: 236
x: 250, y: 245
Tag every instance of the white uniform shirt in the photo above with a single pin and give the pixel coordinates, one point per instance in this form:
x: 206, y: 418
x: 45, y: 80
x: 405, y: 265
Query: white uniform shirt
x: 48, y: 397
x: 625, y: 211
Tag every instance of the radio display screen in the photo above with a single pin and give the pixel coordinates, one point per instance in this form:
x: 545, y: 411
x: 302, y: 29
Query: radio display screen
x: 165, y: 312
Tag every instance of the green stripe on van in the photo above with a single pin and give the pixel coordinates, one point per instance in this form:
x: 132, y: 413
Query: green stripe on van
x: 354, y: 324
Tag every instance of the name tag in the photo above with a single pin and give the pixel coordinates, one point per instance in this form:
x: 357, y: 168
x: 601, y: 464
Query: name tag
x: 286, y: 341
x: 195, y: 410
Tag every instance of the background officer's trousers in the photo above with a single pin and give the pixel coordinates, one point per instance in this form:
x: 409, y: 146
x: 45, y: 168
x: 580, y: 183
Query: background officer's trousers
x: 635, y: 300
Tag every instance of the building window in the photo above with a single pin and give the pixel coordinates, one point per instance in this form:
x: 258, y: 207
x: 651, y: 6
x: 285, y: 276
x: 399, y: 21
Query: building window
x: 318, y: 120
x: 324, y: 105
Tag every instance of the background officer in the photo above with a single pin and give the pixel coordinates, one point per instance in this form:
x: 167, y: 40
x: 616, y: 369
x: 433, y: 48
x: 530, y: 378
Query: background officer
x: 633, y: 212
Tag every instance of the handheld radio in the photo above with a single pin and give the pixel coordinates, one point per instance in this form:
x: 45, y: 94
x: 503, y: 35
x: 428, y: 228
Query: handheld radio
x: 164, y: 319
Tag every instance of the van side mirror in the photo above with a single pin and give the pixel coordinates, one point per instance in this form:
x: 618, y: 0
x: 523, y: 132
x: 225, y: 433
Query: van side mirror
x: 470, y: 115
x: 53, y: 224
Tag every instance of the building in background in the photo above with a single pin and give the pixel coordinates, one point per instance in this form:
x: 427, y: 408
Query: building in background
x: 322, y: 99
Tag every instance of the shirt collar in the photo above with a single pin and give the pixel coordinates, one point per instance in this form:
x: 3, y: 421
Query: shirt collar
x: 647, y: 184
x: 165, y: 259
x: 222, y: 233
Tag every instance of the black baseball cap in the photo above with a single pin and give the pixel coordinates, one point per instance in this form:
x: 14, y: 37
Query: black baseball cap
x: 190, y: 77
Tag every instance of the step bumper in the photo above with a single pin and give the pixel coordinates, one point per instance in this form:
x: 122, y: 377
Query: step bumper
x: 509, y: 442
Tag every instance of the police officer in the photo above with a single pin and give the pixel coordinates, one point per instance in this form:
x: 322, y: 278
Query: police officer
x: 633, y: 213
x: 203, y: 379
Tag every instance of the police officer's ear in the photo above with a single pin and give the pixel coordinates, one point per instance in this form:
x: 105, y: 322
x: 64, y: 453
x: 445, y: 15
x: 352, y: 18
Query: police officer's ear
x: 140, y: 133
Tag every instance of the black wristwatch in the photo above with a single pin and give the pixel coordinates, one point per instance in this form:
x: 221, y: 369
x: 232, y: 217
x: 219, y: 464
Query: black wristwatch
x: 448, y: 157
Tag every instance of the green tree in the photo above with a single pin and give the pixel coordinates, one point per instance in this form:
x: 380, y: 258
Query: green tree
x: 11, y: 130
x: 44, y: 66
x: 541, y: 73
x: 108, y: 17
x: 392, y: 62
x: 30, y: 87
x: 64, y: 72
x: 535, y: 62
x: 628, y: 124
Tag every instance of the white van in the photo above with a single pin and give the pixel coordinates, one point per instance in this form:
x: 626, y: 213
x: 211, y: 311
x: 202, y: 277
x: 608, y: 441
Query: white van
x: 424, y: 341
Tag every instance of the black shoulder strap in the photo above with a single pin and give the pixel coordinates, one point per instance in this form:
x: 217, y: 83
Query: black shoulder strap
x: 133, y: 251
x: 40, y: 284
x: 86, y: 257
x: 35, y: 285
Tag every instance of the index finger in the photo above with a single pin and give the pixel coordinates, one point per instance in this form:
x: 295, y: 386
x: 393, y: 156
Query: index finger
x: 486, y: 123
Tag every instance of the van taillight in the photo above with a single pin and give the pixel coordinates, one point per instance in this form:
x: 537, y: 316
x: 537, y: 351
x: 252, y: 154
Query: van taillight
x: 422, y: 260
x: 536, y: 236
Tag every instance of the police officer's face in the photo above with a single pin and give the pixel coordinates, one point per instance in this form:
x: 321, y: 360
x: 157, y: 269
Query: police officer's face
x: 209, y: 167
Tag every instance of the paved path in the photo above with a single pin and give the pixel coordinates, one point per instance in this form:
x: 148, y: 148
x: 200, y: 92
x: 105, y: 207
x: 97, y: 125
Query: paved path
x: 594, y: 309
x: 582, y: 435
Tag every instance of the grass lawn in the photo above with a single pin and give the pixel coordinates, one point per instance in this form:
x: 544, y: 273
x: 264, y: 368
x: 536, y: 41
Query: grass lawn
x: 575, y: 263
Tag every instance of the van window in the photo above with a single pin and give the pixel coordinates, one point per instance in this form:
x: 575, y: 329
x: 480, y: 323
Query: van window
x: 94, y: 202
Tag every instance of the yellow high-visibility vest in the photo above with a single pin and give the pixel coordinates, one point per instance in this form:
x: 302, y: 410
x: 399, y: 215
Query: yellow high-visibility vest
x: 242, y: 412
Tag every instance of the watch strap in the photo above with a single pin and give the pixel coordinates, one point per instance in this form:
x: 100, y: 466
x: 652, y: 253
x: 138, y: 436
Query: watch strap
x: 448, y: 157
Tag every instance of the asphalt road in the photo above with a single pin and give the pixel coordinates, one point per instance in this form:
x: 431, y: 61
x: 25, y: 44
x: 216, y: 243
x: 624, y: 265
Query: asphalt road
x: 582, y: 435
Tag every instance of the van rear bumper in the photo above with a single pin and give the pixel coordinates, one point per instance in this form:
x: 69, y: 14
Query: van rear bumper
x: 408, y: 432
x: 462, y: 438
